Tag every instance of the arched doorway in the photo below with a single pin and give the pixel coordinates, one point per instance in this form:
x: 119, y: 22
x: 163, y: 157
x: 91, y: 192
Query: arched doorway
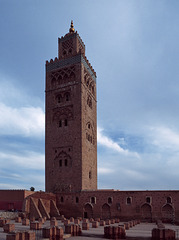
x: 106, y: 213
x: 88, y: 211
x: 168, y: 214
x: 146, y: 212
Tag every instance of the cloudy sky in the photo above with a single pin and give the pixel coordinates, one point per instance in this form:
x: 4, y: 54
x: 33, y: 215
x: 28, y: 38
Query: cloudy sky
x: 134, y: 48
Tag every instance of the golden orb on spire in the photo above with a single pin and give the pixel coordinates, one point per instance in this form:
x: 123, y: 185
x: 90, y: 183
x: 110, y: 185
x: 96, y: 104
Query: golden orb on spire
x: 71, y: 30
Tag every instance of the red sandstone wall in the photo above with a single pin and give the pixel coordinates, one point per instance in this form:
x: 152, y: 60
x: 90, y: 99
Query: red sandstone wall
x: 46, y: 197
x: 13, y: 199
x: 156, y: 209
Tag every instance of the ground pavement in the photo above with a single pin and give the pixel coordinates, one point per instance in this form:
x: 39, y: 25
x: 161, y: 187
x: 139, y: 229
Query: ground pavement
x: 140, y: 231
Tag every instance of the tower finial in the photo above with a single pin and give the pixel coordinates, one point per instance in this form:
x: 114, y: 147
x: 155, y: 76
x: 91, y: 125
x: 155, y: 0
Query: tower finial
x: 71, y: 30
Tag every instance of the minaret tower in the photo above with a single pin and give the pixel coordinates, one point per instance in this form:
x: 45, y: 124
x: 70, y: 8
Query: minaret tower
x: 71, y: 125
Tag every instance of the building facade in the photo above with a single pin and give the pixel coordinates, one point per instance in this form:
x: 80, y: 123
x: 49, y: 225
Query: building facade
x: 71, y: 145
x: 70, y: 130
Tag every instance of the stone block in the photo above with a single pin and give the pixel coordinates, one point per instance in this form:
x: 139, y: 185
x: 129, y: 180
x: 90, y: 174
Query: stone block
x: 85, y: 220
x: 54, y: 231
x: 47, y: 232
x: 35, y: 225
x: 53, y: 222
x: 130, y: 224
x: 77, y: 221
x: 32, y: 219
x: 12, y: 236
x: 41, y: 220
x: 66, y: 222
x: 68, y: 228
x: 122, y: 225
x: 4, y: 222
x: 59, y: 232
x: 112, y: 221
x: 25, y: 222
x: 9, y: 228
x: 29, y: 235
x: 108, y: 222
x: 18, y: 219
x: 163, y: 234
x: 127, y: 225
x: 122, y: 232
x: 95, y: 224
x: 22, y: 236
x: 85, y: 226
x: 115, y: 232
x: 102, y: 223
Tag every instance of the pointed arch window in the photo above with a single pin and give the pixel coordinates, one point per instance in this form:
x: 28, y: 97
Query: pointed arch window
x: 67, y: 97
x: 66, y: 122
x: 59, y: 99
x: 60, y: 163
x: 60, y: 123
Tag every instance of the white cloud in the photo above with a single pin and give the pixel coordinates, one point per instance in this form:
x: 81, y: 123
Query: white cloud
x: 103, y: 170
x: 109, y: 143
x: 165, y: 138
x: 27, y: 160
x: 9, y: 186
x: 27, y: 121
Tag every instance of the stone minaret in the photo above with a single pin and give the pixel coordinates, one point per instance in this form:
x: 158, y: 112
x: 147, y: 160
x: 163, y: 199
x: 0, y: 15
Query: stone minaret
x: 71, y: 125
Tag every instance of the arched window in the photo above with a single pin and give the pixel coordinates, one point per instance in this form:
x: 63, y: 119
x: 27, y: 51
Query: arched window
x: 90, y: 175
x: 61, y: 199
x: 77, y: 200
x: 60, y: 163
x: 66, y: 122
x: 93, y: 89
x: 53, y: 82
x: 129, y: 200
x: 66, y: 162
x: 148, y: 200
x: 93, y: 200
x: 60, y: 123
x: 169, y: 200
x: 65, y: 76
x: 59, y: 79
x: 67, y: 97
x: 90, y: 103
x: 59, y: 99
x: 109, y: 200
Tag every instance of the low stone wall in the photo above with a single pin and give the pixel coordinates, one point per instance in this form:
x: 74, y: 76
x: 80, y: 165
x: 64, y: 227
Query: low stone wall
x: 9, y: 215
